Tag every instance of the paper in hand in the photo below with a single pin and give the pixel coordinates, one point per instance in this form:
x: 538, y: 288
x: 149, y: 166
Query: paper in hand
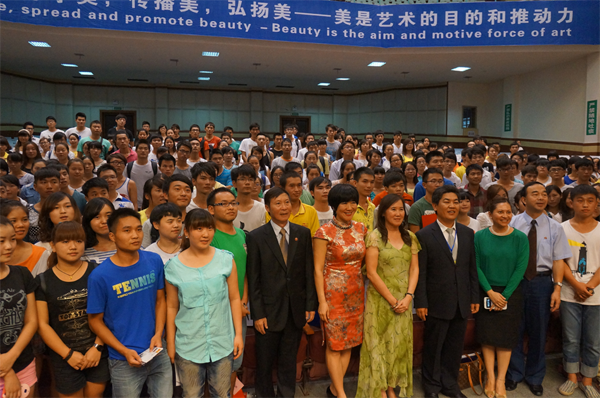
x: 148, y: 355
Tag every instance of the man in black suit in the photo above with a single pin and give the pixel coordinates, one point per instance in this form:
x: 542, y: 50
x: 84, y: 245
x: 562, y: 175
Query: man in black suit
x: 447, y: 293
x: 282, y: 293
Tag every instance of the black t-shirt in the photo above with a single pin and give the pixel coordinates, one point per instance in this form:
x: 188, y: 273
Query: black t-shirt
x: 67, y: 308
x: 277, y: 153
x: 14, y: 290
x: 113, y: 132
x: 488, y: 166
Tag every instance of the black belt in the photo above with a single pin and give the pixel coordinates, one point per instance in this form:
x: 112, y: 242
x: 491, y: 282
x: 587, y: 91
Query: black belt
x: 545, y: 273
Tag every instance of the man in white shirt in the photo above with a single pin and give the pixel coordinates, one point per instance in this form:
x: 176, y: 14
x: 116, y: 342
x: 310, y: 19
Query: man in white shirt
x: 251, y: 213
x: 141, y: 170
x: 309, y: 137
x: 397, y: 142
x: 319, y: 188
x: 203, y: 178
x: 166, y: 219
x: 248, y: 143
x: 347, y: 154
x: 80, y: 128
x: 49, y: 133
x: 378, y: 144
x: 289, y: 134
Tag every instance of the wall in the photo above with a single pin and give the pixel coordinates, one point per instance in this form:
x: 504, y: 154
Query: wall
x: 419, y: 111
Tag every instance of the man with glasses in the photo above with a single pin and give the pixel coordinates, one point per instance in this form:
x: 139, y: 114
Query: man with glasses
x: 505, y: 168
x: 557, y: 170
x: 347, y: 154
x: 108, y: 173
x: 251, y: 213
x: 421, y: 212
x: 184, y: 148
x: 434, y: 160
x: 223, y: 205
x: 122, y: 142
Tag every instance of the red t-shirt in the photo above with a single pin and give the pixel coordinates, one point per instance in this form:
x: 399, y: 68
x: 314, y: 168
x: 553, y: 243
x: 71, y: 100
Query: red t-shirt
x: 407, y: 198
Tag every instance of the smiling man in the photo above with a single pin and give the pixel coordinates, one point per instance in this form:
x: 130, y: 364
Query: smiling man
x: 447, y: 292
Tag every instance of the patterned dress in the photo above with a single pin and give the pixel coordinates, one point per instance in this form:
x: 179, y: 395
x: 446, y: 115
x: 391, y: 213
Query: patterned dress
x: 343, y: 284
x: 387, y: 351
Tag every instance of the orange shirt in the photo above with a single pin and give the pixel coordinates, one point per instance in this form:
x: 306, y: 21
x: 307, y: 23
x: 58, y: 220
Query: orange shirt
x: 407, y: 198
x: 36, y: 253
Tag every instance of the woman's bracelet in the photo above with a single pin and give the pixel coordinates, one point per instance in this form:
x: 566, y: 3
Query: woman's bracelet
x: 411, y: 295
x: 396, y: 305
x: 69, y: 355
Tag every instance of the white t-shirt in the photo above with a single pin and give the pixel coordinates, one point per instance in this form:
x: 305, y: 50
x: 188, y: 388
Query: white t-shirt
x: 192, y: 206
x: 301, y: 153
x: 582, y: 270
x: 252, y: 219
x: 247, y: 145
x: 474, y: 224
x: 486, y: 179
x: 140, y: 174
x: 398, y: 149
x: 163, y: 255
x: 281, y: 162
x: 49, y: 134
x: 192, y: 163
x: 484, y: 220
x: 325, y: 216
x: 83, y: 134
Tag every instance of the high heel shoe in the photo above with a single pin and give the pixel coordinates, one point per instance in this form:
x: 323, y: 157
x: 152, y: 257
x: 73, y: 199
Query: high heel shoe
x: 501, y: 395
x: 489, y: 394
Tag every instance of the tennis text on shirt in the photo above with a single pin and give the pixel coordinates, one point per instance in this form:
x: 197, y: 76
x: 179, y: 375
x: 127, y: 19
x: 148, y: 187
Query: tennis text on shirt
x: 136, y: 285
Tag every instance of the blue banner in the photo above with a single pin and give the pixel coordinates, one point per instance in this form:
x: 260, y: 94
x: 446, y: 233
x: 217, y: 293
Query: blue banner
x: 329, y: 22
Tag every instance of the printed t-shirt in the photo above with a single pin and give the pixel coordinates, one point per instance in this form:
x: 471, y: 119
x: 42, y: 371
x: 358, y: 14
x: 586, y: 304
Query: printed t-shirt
x: 14, y: 289
x: 421, y: 213
x: 584, y: 262
x: 127, y: 298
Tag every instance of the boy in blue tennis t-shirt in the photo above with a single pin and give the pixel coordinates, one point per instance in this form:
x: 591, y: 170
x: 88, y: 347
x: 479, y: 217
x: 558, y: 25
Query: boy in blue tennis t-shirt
x: 127, y: 310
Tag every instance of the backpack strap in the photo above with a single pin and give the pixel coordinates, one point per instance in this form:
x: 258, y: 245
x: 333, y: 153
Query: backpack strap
x: 129, y: 168
x: 43, y: 282
x: 154, y: 168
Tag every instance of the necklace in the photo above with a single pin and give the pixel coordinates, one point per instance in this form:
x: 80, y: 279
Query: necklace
x: 174, y: 251
x: 70, y: 275
x: 335, y: 222
x: 499, y: 233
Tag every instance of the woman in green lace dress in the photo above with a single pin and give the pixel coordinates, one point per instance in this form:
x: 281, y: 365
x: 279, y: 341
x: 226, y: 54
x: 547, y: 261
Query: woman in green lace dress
x: 393, y: 270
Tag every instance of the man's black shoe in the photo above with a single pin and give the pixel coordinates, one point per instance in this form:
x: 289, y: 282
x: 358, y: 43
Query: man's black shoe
x: 431, y: 395
x: 454, y: 394
x: 536, y: 389
x: 510, y: 385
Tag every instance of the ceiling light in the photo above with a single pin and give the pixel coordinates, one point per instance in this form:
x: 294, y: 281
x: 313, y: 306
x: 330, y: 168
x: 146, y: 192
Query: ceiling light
x: 206, y: 71
x: 461, y: 69
x: 343, y: 78
x: 377, y: 64
x: 82, y: 73
x: 70, y: 65
x: 210, y: 54
x: 204, y: 78
x: 39, y: 44
x: 324, y: 84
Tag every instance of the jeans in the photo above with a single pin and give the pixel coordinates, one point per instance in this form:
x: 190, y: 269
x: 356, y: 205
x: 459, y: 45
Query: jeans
x: 581, y: 338
x: 193, y: 376
x: 237, y: 363
x: 536, y: 317
x: 128, y: 381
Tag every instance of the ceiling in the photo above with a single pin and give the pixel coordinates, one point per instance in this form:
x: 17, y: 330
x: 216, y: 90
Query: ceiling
x: 116, y: 56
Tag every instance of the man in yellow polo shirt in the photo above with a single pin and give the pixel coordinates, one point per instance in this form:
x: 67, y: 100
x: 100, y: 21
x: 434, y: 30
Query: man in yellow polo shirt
x: 302, y: 214
x: 363, y: 180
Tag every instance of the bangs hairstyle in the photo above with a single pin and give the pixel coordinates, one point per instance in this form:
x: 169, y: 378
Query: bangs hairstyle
x: 197, y: 218
x: 387, y: 202
x: 341, y: 193
x: 45, y: 222
x: 65, y: 231
x: 91, y: 211
x: 7, y: 206
x: 5, y: 222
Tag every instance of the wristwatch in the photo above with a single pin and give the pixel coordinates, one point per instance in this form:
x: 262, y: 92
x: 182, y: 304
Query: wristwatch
x: 99, y: 347
x: 558, y: 284
x: 411, y: 295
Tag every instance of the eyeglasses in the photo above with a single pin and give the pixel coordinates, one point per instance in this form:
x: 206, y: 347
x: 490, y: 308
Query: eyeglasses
x: 231, y: 204
x: 439, y: 182
x: 556, y: 170
x: 116, y: 163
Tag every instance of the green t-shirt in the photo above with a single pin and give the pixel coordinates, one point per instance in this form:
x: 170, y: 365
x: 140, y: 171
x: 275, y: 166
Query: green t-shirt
x: 421, y: 213
x: 105, y: 145
x: 307, y: 198
x: 235, y: 244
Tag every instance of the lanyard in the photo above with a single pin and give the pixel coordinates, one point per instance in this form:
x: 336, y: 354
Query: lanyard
x: 453, y: 244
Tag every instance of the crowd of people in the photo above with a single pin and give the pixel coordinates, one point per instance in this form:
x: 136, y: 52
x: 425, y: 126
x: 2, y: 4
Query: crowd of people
x: 125, y: 256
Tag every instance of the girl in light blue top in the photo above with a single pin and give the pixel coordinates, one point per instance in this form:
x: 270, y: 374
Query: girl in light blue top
x: 204, y: 312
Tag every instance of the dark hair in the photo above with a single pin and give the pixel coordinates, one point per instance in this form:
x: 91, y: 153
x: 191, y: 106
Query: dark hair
x: 504, y: 162
x: 80, y: 114
x: 439, y: 193
x: 497, y: 201
x: 583, y: 162
x: 91, y: 211
x: 4, y: 141
x: 392, y: 178
x: 11, y: 179
x: 38, y: 155
x: 254, y: 125
x: 431, y: 171
x: 45, y: 173
x: 370, y: 154
x: 273, y: 170
x: 315, y: 182
x: 551, y: 188
x: 405, y: 143
x: 174, y: 178
x: 287, y: 175
x: 68, y: 230
x: 204, y: 167
x: 185, y: 143
x: 529, y: 184
x: 473, y: 167
x: 15, y: 157
x: 143, y: 142
x: 45, y: 222
x: 557, y: 163
x: 291, y: 166
x: 361, y: 171
x: 171, y: 151
x: 95, y: 182
x: 580, y: 190
x: 119, y: 214
x: 244, y: 170
x: 411, y: 163
x: 529, y: 169
x: 273, y: 193
x: 166, y: 158
x: 164, y: 210
x: 384, y: 205
x: 315, y: 167
x: 7, y: 206
x: 342, y: 193
x: 155, y: 181
x: 215, y: 151
x: 542, y: 163
x: 433, y: 154
x: 343, y: 167
x: 3, y: 165
x: 106, y: 167
x: 197, y: 218
x: 210, y: 199
x: 492, y: 192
